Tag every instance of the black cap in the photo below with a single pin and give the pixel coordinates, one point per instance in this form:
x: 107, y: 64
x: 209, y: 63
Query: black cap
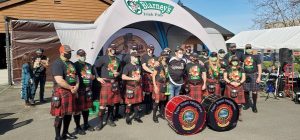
x: 164, y: 54
x: 113, y: 46
x: 81, y: 52
x: 135, y: 54
x: 234, y: 58
x: 248, y: 46
x: 151, y: 47
x: 221, y: 51
x: 39, y: 50
x: 214, y: 54
x: 232, y: 45
x: 195, y: 55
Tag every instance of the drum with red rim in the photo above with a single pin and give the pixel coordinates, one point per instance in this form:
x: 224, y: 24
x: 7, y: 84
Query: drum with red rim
x: 185, y: 115
x: 222, y: 112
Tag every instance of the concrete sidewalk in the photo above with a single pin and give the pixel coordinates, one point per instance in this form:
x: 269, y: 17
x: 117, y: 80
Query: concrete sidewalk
x: 276, y: 120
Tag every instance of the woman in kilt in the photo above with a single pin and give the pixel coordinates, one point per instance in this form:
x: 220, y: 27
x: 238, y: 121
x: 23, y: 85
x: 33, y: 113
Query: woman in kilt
x: 213, y: 69
x: 84, y: 100
x: 196, y: 78
x: 107, y: 72
x: 65, y: 88
x: 133, y: 97
x: 160, y: 79
x: 235, y: 77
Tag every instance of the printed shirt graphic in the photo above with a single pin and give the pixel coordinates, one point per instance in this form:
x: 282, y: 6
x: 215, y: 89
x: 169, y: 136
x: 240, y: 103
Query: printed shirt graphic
x: 194, y: 71
x: 71, y: 73
x: 84, y: 73
x: 250, y: 63
x: 235, y: 75
x: 106, y: 66
x: 213, y: 72
x: 131, y: 70
x: 149, y: 60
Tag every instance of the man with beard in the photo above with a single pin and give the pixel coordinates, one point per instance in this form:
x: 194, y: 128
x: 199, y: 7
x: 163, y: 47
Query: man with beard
x: 188, y: 52
x: 66, y: 84
x: 232, y: 51
x: 41, y: 62
x: 84, y: 100
x: 253, y: 70
x: 108, y: 70
x: 148, y: 61
x: 196, y: 78
x: 204, y: 56
x: 133, y: 91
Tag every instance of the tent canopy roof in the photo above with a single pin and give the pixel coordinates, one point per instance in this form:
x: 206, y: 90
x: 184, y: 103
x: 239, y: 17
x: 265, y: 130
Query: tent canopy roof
x: 288, y: 37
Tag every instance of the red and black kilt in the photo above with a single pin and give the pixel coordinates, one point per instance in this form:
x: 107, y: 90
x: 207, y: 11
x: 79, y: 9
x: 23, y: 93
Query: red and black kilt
x: 158, y: 96
x: 217, y: 84
x: 196, y: 92
x: 147, y: 82
x: 67, y: 103
x: 107, y: 97
x: 240, y: 99
x: 138, y: 96
x: 82, y: 103
x: 251, y: 85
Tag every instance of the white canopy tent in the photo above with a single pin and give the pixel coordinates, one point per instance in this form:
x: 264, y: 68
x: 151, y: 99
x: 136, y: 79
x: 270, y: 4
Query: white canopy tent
x: 288, y: 37
x: 123, y: 13
x: 216, y: 38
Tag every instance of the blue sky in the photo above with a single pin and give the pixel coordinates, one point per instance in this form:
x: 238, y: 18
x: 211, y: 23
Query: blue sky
x: 234, y: 15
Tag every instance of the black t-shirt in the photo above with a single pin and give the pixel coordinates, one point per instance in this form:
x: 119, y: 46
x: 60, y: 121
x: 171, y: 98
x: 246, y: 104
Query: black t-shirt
x: 126, y: 59
x: 194, y: 72
x: 213, y: 73
x: 148, y: 60
x: 41, y: 70
x: 224, y: 63
x: 66, y: 69
x: 203, y: 59
x: 229, y: 55
x: 84, y: 71
x: 106, y: 65
x: 250, y: 63
x: 131, y: 70
x: 162, y: 74
x: 235, y: 75
x: 176, y: 70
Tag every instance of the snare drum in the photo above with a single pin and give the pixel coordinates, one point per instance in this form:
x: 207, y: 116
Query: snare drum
x: 222, y: 112
x: 185, y: 115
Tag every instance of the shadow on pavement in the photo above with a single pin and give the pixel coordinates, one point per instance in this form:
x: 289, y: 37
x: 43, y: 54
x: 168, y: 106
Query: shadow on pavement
x: 10, y: 124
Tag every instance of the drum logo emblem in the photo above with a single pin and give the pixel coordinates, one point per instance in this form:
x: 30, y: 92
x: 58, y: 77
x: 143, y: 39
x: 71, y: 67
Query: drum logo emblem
x: 223, y: 115
x: 188, y: 118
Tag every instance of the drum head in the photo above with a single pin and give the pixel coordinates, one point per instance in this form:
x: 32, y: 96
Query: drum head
x: 222, y: 114
x: 188, y: 118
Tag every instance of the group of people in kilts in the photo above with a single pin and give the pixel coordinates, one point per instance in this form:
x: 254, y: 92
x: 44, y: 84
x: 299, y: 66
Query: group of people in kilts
x: 134, y: 79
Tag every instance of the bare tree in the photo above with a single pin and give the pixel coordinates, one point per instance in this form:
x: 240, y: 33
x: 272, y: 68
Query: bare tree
x: 283, y: 13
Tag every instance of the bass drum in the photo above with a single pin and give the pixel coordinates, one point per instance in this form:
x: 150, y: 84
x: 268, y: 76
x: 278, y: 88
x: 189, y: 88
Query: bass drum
x: 222, y: 112
x: 185, y: 115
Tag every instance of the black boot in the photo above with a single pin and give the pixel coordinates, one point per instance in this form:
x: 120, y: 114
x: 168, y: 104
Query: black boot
x: 162, y: 110
x: 101, y: 116
x: 247, y: 100
x: 137, y: 114
x: 66, y: 134
x: 155, y: 107
x: 254, y: 97
x: 128, y: 119
x: 110, y: 121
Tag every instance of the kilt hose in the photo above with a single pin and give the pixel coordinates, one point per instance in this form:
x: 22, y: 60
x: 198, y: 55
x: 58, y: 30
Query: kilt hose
x: 137, y: 94
x: 107, y: 97
x: 250, y: 84
x: 67, y: 103
x: 158, y: 96
x: 82, y: 102
x: 216, y: 83
x: 196, y: 92
x: 240, y: 99
x: 147, y: 82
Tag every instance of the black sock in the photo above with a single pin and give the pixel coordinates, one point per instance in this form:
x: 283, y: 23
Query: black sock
x: 85, y: 115
x: 254, y: 97
x: 155, y: 107
x: 77, y: 120
x: 57, y: 126
x: 66, y: 120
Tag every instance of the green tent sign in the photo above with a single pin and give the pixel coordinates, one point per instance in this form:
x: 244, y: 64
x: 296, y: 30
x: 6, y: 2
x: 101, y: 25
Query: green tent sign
x: 140, y: 7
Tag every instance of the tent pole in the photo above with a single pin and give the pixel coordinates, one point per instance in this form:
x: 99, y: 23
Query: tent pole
x: 7, y: 38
